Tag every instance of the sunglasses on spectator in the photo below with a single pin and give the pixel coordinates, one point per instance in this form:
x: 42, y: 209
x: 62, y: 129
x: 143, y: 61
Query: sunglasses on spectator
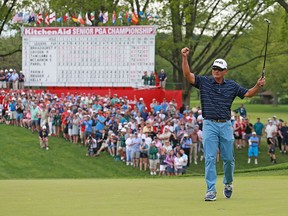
x: 218, y: 68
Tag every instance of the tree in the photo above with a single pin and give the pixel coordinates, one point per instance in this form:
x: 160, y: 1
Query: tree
x: 210, y: 29
x: 284, y: 4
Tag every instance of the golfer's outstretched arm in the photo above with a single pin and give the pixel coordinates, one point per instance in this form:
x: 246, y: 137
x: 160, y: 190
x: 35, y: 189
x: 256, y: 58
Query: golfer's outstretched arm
x: 185, y: 66
x: 252, y: 91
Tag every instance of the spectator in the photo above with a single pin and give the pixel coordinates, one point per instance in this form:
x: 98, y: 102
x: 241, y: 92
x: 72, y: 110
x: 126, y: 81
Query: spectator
x: 14, y: 77
x: 284, y: 135
x: 2, y: 80
x: 75, y: 128
x: 34, y: 117
x: 270, y: 129
x: 193, y: 149
x: 272, y: 148
x: 248, y: 130
x: 253, y: 147
x: 146, y: 79
x: 186, y: 144
x: 8, y: 78
x: 185, y: 161
x: 153, y: 158
x: 143, y: 155
x: 19, y: 113
x: 170, y: 163
x: 129, y: 152
x: 163, y: 77
x: 162, y: 161
x: 178, y: 164
x: 258, y: 128
x: 242, y: 111
x: 21, y: 80
x: 12, y: 108
x: 43, y: 137
x: 57, y: 122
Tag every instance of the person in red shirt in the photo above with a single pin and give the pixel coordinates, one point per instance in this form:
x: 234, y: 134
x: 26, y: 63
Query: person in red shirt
x: 64, y: 127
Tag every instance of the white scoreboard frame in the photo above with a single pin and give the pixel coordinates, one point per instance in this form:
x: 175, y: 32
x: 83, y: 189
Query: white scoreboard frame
x: 112, y: 56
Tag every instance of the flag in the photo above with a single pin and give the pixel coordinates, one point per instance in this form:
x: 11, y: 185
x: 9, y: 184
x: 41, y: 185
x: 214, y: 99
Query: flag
x: 100, y: 16
x: 105, y: 17
x: 31, y: 18
x: 148, y: 15
x: 92, y: 16
x: 135, y: 18
x: 39, y: 19
x: 74, y: 18
x: 120, y: 17
x: 47, y: 19
x: 87, y: 20
x: 142, y: 14
x: 26, y: 17
x: 80, y: 19
x: 114, y: 18
x: 60, y: 19
x: 66, y: 17
x: 18, y: 17
x: 52, y: 17
x: 128, y: 17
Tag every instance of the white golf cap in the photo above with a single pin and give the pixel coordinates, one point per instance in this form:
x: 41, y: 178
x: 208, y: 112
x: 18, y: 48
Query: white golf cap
x: 44, y: 127
x: 220, y: 63
x: 253, y: 133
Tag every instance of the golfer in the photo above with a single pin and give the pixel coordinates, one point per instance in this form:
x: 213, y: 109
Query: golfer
x: 217, y: 95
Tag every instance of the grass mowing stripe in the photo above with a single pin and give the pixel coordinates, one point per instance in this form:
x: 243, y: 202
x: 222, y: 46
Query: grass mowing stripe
x: 251, y: 196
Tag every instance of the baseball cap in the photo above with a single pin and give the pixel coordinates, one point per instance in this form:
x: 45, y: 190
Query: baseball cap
x: 253, y: 133
x: 44, y: 127
x: 220, y: 63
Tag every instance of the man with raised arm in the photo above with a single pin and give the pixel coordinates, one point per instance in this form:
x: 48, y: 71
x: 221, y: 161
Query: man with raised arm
x: 217, y: 95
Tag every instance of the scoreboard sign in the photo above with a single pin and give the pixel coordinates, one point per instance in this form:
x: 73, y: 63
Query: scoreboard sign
x: 88, y: 56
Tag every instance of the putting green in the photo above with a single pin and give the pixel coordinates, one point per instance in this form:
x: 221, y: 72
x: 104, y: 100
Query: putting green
x: 160, y: 196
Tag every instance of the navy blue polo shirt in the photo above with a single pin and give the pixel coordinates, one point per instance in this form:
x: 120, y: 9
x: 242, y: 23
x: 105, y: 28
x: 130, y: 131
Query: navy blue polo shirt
x: 216, y: 99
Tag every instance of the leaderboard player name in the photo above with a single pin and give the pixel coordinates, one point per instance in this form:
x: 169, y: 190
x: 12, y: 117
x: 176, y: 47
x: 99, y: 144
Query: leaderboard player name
x: 90, y: 31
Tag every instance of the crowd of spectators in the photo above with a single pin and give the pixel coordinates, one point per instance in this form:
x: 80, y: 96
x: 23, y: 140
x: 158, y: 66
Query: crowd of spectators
x: 155, y: 136
x: 11, y: 79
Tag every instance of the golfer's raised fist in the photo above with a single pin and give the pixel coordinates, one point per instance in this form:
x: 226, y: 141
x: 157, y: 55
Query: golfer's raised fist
x: 185, y: 51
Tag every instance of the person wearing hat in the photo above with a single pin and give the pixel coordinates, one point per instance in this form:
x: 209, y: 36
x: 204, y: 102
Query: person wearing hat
x: 153, y: 158
x: 43, y: 137
x: 270, y: 129
x: 217, y: 96
x: 12, y: 108
x: 14, y: 77
x: 163, y: 77
x: 253, y: 147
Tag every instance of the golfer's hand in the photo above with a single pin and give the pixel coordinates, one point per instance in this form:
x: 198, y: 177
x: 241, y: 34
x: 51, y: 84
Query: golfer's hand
x: 185, y: 52
x: 261, y: 81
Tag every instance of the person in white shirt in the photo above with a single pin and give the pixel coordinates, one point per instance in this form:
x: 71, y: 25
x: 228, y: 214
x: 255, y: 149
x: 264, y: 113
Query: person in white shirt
x: 270, y: 129
x: 129, y: 144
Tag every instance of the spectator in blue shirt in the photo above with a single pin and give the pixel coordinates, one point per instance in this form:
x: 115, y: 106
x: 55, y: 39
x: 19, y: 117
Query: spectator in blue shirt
x: 253, y: 147
x: 88, y: 126
x: 217, y: 95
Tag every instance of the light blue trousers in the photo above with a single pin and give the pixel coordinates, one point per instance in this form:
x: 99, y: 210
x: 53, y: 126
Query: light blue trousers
x: 218, y: 135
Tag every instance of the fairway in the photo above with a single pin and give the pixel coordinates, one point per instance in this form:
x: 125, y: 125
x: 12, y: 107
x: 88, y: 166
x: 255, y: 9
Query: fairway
x: 178, y: 196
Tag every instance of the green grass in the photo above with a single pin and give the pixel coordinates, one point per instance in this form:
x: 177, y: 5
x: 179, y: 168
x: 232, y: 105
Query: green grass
x: 22, y: 158
x: 264, y: 111
x: 252, y: 196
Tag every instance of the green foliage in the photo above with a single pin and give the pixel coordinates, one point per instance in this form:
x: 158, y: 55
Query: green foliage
x: 11, y: 45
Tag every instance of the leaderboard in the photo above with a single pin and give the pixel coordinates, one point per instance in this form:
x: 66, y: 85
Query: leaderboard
x: 88, y: 56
